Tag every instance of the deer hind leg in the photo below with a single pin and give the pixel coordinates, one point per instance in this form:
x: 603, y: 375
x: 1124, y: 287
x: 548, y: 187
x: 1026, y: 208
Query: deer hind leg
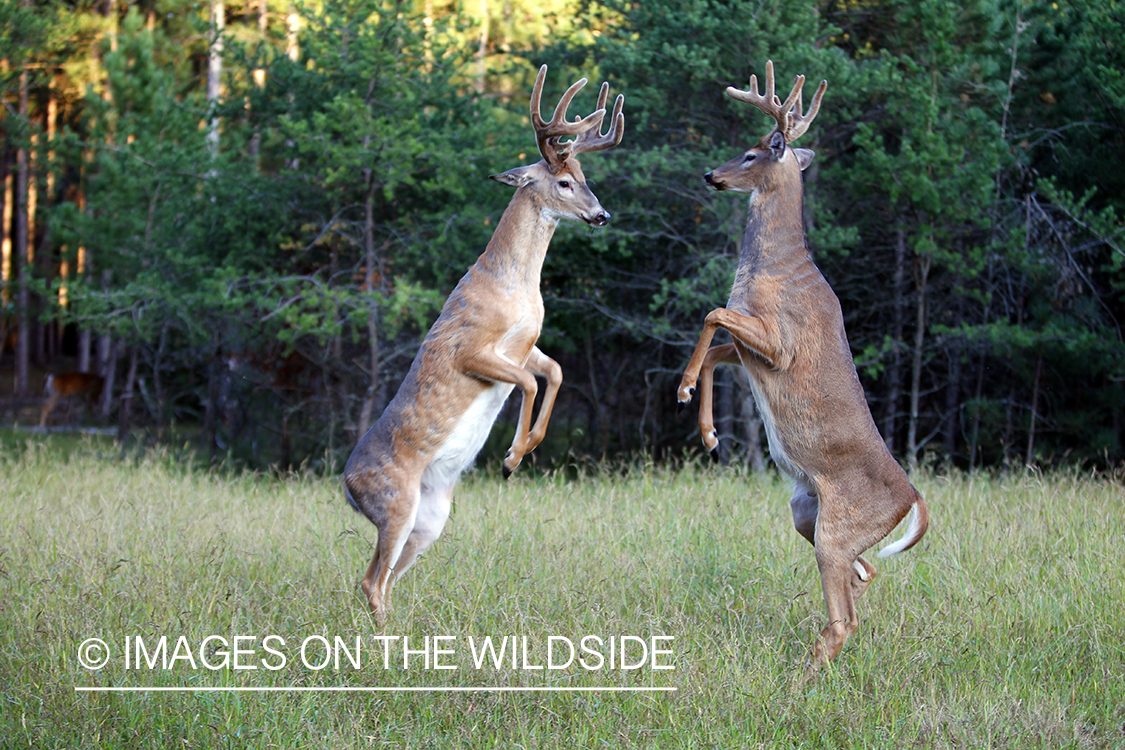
x: 433, y: 511
x: 840, y: 539
x: 805, y: 506
x: 393, y: 512
x: 836, y: 574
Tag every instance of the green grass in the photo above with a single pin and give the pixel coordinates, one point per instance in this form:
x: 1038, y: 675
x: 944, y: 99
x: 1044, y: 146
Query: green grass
x: 1002, y: 629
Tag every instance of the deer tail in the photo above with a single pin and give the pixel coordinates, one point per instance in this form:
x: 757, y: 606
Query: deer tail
x: 919, y: 522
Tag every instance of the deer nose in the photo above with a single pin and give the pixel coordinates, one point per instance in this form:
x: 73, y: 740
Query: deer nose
x: 709, y: 179
x: 600, y: 219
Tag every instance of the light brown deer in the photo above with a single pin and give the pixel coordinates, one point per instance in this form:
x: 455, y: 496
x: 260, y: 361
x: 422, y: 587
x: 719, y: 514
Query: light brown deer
x: 788, y: 333
x: 76, y: 384
x: 402, y: 472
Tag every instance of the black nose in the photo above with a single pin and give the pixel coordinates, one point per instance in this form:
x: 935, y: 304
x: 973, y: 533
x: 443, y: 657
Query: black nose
x: 601, y: 219
x: 709, y: 179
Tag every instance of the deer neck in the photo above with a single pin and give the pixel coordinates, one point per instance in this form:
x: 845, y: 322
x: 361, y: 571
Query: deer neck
x: 518, y: 247
x: 774, y: 241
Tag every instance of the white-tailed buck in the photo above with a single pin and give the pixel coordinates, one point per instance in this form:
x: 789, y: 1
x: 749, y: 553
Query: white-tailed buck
x: 788, y: 332
x: 402, y: 472
x: 77, y: 384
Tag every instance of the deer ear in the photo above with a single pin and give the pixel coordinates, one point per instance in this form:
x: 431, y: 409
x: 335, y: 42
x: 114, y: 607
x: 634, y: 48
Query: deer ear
x: 804, y: 157
x: 777, y: 145
x: 516, y: 178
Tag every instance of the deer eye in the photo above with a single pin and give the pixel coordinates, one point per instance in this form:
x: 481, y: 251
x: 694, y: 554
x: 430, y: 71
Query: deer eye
x: 564, y: 183
x: 749, y: 158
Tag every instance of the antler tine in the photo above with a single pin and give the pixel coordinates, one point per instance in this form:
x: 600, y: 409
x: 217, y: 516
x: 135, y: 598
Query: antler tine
x: 769, y: 103
x: 798, y: 123
x: 791, y: 126
x: 771, y: 95
x: 593, y: 139
x: 547, y: 134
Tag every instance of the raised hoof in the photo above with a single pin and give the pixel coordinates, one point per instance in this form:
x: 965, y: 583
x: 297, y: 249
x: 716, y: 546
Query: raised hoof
x: 681, y: 405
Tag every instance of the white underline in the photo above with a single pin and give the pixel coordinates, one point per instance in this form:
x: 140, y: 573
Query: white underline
x: 346, y: 689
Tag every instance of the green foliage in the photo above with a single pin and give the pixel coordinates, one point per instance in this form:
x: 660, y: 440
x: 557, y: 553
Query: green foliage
x: 349, y: 189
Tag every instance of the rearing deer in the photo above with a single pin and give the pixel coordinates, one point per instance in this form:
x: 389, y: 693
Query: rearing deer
x: 402, y: 472
x: 788, y: 333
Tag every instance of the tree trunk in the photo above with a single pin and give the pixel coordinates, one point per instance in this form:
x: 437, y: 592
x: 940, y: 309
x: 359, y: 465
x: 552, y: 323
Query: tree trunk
x: 124, y: 413
x: 107, y: 366
x: 106, y: 359
x: 23, y: 302
x: 38, y: 259
x: 912, y: 446
x: 366, y: 411
x: 215, y: 72
x: 953, y: 401
x: 1034, y: 411
x: 158, y: 382
x: 974, y: 444
x: 6, y: 230
x: 724, y: 412
x: 596, y: 402
x: 482, y: 48
x: 894, y: 370
x: 292, y: 26
x: 82, y: 267
x: 211, y: 405
x: 259, y: 76
x: 54, y: 340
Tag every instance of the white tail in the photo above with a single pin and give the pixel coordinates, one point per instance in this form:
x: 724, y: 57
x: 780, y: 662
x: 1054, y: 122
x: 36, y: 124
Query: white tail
x: 919, y: 520
x: 402, y: 472
x: 788, y: 333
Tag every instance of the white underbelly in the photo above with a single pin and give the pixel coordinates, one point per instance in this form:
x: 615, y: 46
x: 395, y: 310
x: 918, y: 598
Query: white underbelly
x: 777, y: 448
x: 466, y: 439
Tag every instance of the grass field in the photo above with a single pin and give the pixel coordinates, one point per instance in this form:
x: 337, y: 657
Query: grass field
x: 1004, y: 628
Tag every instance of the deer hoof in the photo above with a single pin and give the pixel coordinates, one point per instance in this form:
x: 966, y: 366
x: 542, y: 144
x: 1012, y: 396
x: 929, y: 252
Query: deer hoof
x: 506, y: 468
x: 685, y: 396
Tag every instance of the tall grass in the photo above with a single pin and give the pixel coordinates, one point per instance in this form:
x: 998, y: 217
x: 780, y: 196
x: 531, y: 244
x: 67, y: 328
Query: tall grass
x: 1002, y: 629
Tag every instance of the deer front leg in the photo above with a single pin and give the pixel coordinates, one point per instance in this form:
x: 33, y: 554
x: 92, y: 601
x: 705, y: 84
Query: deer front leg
x: 751, y: 331
x: 540, y: 364
x: 491, y: 366
x: 48, y: 407
x: 726, y: 354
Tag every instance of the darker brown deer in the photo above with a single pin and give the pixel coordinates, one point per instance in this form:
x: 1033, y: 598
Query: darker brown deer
x: 402, y: 473
x: 788, y: 332
x: 71, y: 384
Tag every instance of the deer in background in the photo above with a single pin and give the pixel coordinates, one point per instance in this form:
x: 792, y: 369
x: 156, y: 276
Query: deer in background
x: 788, y: 332
x: 402, y: 472
x: 77, y: 384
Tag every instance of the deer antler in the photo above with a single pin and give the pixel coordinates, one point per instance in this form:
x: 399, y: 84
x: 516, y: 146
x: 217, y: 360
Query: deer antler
x: 547, y: 134
x: 593, y: 139
x: 791, y: 124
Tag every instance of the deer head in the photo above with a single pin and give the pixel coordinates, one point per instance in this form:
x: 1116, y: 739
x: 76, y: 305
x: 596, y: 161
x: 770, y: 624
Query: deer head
x: 772, y: 161
x: 556, y: 182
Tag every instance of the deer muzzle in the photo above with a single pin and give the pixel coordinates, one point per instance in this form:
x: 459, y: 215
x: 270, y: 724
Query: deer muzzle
x: 709, y: 178
x: 600, y: 219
